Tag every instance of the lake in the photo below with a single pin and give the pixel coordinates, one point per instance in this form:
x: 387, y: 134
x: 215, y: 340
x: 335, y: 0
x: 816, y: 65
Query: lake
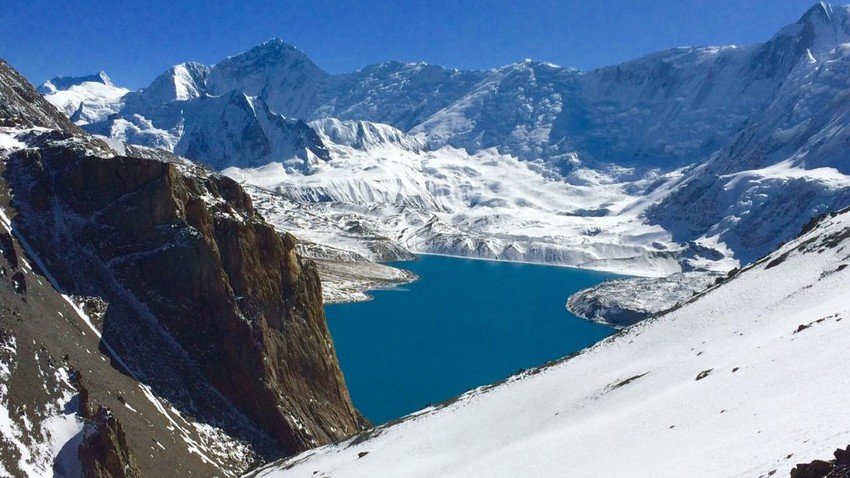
x: 463, y: 324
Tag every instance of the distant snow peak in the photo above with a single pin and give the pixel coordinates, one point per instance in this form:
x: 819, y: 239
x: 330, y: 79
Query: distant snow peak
x: 273, y: 46
x: 282, y: 75
x: 61, y: 83
x: 822, y: 11
x: 189, y: 80
x: 84, y: 99
x: 181, y: 82
x: 823, y: 27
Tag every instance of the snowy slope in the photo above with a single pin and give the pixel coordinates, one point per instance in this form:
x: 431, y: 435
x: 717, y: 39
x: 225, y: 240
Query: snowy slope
x: 85, y: 99
x: 181, y: 82
x: 239, y: 129
x: 533, y: 93
x: 448, y: 201
x: 746, y: 380
x: 400, y: 94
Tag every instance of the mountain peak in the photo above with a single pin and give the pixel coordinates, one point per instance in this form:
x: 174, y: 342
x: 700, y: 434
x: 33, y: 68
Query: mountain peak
x: 529, y: 64
x: 821, y: 10
x: 61, y: 83
x: 275, y: 71
x: 820, y: 30
x: 276, y: 41
x: 273, y: 50
x: 180, y: 82
x: 826, y: 14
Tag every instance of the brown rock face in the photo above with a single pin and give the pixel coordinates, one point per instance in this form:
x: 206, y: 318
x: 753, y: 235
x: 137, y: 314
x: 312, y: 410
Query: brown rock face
x: 205, y: 302
x: 21, y: 105
x: 192, y: 251
x: 103, y: 451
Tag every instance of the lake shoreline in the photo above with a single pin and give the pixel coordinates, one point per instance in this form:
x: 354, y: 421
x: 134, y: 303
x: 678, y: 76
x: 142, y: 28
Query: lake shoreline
x: 400, y: 352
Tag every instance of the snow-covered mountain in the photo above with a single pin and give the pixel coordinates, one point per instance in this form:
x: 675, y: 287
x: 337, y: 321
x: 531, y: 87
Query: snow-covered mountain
x: 789, y: 162
x: 179, y: 83
x: 226, y: 115
x: 235, y: 128
x: 447, y: 201
x: 694, y: 153
x: 747, y: 379
x: 85, y: 99
x: 278, y: 73
x: 402, y: 95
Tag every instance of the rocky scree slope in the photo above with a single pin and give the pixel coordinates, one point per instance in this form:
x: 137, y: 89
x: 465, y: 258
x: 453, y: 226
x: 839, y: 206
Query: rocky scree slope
x: 194, y: 295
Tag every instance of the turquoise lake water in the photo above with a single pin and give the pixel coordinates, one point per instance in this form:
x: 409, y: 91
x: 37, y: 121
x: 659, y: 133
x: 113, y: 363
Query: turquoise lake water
x: 465, y: 323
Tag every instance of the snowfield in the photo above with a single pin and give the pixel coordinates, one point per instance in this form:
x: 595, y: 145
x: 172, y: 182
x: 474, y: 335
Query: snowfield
x: 747, y: 379
x: 87, y: 99
x: 448, y: 201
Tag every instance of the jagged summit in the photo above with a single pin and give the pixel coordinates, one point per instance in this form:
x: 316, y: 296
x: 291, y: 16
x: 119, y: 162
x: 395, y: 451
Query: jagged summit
x: 61, y: 83
x: 180, y: 82
x: 273, y: 46
x: 268, y: 55
x: 822, y: 28
x: 85, y: 99
x: 275, y: 71
x: 529, y: 63
x: 822, y: 11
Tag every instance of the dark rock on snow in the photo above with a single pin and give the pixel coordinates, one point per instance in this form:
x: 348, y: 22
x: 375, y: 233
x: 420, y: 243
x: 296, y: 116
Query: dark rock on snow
x: 839, y: 467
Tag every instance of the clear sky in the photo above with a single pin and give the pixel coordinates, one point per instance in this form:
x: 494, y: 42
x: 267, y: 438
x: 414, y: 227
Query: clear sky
x: 133, y: 41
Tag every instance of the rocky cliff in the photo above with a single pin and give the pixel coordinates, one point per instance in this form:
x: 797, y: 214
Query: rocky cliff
x: 194, y: 294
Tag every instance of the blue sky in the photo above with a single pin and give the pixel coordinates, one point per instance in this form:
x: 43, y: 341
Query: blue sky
x: 133, y: 41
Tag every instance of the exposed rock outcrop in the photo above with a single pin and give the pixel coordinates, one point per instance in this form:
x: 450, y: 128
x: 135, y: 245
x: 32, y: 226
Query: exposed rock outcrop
x: 839, y: 467
x: 103, y: 451
x: 201, y: 299
x: 22, y: 106
x: 191, y: 250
